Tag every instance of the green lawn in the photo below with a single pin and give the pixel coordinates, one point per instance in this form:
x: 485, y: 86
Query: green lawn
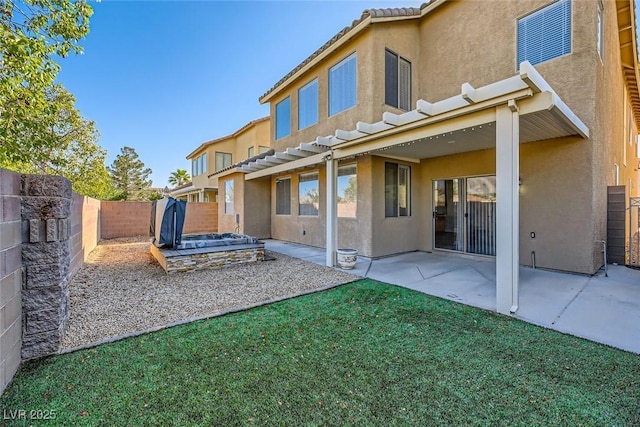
x: 365, y: 353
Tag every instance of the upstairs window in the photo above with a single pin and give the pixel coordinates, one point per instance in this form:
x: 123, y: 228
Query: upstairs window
x: 397, y: 81
x: 223, y: 160
x: 308, y: 194
x: 397, y: 190
x: 283, y: 118
x: 342, y: 85
x: 199, y: 165
x: 250, y: 152
x: 308, y: 105
x: 283, y: 196
x: 545, y: 34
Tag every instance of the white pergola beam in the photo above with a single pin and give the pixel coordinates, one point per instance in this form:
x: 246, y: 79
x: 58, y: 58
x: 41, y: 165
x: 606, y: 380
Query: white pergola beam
x: 274, y: 160
x: 306, y: 146
x: 285, y: 156
x: 285, y: 167
x: 468, y: 93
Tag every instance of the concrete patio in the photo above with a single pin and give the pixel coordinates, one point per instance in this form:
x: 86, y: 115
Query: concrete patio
x: 598, y: 308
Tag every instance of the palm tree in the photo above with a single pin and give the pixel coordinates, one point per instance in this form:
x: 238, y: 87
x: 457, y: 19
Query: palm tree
x: 179, y: 177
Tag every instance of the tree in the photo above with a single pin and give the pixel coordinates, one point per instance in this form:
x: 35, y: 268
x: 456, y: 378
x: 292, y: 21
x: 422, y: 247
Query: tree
x: 351, y: 192
x: 179, y: 177
x: 130, y: 177
x: 71, y: 148
x: 32, y: 34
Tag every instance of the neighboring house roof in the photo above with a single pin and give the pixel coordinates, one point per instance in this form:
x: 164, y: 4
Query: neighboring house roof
x: 236, y: 133
x: 368, y: 17
x: 180, y: 187
x: 260, y: 156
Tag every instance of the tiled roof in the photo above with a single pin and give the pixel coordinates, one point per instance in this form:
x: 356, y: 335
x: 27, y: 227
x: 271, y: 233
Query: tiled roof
x: 369, y: 13
x: 236, y: 133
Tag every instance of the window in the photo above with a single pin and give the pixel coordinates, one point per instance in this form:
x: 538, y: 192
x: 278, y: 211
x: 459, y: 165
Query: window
x: 308, y: 194
x: 283, y: 196
x: 228, y: 197
x: 397, y: 81
x: 199, y: 165
x: 347, y: 191
x: 308, y: 105
x: 223, y: 160
x: 545, y: 34
x: 342, y: 85
x: 262, y: 149
x: 600, y: 40
x: 397, y: 190
x: 283, y: 118
x: 616, y: 172
x: 250, y: 152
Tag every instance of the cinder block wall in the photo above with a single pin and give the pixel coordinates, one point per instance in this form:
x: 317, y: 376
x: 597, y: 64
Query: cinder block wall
x: 201, y: 218
x: 129, y: 219
x: 85, y: 229
x: 124, y: 219
x: 10, y: 276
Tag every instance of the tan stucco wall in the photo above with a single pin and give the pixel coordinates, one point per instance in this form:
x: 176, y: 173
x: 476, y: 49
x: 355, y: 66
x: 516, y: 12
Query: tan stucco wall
x: 251, y: 202
x: 563, y: 195
x: 352, y: 232
x: 363, y: 110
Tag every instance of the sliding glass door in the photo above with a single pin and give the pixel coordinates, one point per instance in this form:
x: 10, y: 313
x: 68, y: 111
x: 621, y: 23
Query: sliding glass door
x: 467, y: 226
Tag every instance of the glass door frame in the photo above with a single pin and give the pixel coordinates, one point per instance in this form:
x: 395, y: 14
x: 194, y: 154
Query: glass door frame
x: 462, y: 216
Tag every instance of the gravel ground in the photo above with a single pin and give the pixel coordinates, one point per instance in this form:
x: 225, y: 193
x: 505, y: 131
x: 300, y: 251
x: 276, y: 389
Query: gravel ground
x: 121, y: 289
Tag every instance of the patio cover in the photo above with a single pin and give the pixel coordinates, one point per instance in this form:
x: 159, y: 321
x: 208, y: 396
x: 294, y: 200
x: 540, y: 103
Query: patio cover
x: 520, y: 109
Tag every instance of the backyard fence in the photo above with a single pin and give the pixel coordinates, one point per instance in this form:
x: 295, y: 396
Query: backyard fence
x: 46, y: 234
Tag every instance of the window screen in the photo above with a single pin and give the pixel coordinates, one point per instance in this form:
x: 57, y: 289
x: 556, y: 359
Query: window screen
x: 283, y: 118
x: 342, y: 85
x: 308, y: 105
x: 283, y: 196
x: 545, y: 34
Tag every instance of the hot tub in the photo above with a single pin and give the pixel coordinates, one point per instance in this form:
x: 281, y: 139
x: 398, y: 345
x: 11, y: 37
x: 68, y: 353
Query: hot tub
x: 194, y: 241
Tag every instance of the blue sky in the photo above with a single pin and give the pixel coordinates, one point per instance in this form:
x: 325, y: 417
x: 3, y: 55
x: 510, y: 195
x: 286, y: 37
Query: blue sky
x: 165, y: 76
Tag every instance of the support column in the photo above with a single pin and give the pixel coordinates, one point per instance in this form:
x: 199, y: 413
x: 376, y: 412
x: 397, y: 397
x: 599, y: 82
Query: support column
x: 332, y: 211
x: 508, y: 214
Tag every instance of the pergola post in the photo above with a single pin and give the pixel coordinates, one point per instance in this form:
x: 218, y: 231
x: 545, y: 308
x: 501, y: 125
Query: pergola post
x: 508, y: 214
x: 332, y: 211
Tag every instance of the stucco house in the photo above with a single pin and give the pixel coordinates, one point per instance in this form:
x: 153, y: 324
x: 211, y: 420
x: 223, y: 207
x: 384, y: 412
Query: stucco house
x: 250, y: 140
x: 483, y: 128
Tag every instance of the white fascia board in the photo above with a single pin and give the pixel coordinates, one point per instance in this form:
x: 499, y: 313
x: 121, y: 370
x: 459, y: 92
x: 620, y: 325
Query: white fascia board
x: 300, y: 163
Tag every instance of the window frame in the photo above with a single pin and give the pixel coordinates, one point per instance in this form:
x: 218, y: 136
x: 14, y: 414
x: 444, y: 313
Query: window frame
x: 355, y: 174
x: 397, y: 193
x: 398, y: 78
x: 224, y: 154
x: 229, y: 205
x: 352, y: 56
x: 531, y: 15
x: 278, y: 114
x: 288, y: 205
x: 300, y: 181
x: 301, y: 105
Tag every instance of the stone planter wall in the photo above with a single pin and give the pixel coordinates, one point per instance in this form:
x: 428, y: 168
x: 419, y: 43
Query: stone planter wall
x: 207, y: 258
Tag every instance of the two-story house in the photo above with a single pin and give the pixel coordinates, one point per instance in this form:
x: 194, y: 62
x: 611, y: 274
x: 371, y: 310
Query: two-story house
x: 209, y: 157
x: 482, y: 128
